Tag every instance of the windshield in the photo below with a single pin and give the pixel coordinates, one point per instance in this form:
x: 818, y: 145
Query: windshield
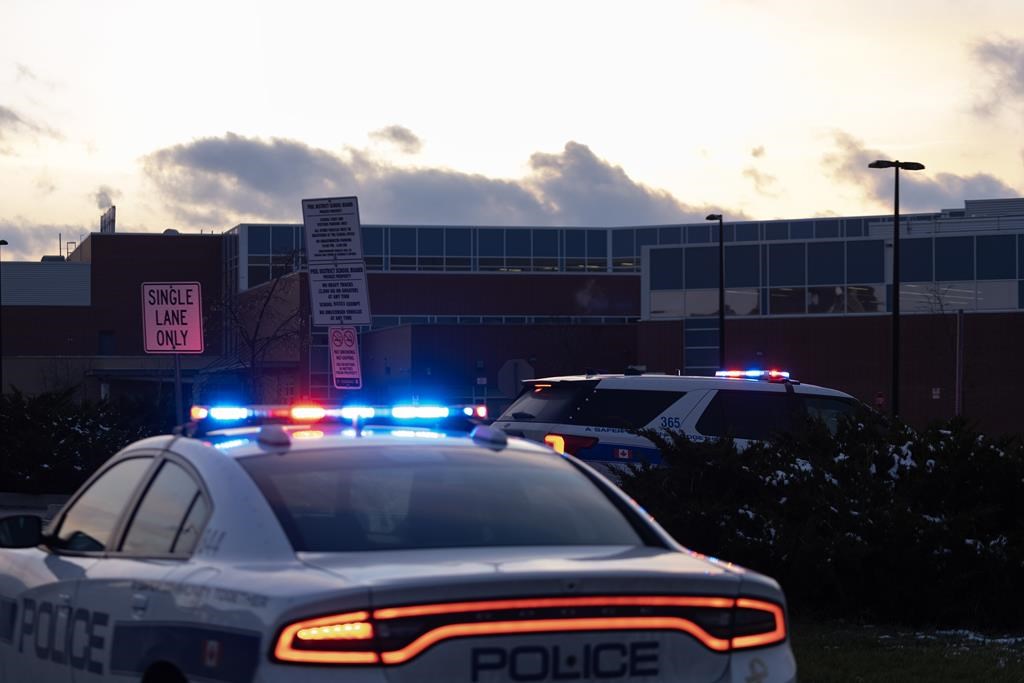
x: 405, y: 497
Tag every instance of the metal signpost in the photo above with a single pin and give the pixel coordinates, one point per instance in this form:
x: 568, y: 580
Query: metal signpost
x: 172, y: 323
x: 344, y: 349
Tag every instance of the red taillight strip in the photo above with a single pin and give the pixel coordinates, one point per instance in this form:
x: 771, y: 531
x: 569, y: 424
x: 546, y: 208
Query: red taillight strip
x: 778, y: 634
x: 542, y: 603
x: 286, y: 653
x: 495, y: 628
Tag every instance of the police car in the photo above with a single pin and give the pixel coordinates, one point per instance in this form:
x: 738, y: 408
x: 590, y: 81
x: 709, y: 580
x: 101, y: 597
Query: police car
x: 275, y: 544
x: 595, y: 417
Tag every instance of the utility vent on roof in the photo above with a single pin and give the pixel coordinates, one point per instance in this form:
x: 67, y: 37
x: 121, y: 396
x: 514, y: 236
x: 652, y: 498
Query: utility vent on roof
x: 983, y: 208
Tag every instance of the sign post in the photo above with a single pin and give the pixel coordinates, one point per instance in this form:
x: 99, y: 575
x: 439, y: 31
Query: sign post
x: 172, y: 323
x: 345, y: 367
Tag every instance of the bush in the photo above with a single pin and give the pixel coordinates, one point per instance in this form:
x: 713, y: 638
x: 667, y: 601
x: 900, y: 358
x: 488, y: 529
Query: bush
x: 53, y: 443
x: 876, y: 520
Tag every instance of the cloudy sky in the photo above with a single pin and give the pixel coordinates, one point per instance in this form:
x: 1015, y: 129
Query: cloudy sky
x: 201, y: 115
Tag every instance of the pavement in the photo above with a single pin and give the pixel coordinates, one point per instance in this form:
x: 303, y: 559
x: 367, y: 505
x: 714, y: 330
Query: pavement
x: 45, y: 505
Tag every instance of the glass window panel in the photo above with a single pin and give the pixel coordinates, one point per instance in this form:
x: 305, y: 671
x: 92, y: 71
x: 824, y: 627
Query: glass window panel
x: 746, y: 232
x: 746, y: 414
x: 698, y: 234
x: 996, y: 257
x: 667, y: 304
x: 954, y: 258
x: 575, y: 243
x: 854, y: 227
x: 730, y: 233
x: 741, y: 266
x: 776, y: 230
x: 1020, y: 256
x: 403, y: 263
x: 666, y: 268
x: 89, y: 523
x: 701, y: 302
x: 161, y: 514
x: 742, y: 301
x: 575, y: 264
x: 865, y: 298
x: 430, y: 241
x: 517, y: 264
x: 373, y: 241
x: 491, y: 241
x: 457, y: 263
x: 702, y: 268
x: 916, y: 260
x: 702, y: 358
x: 645, y: 236
x: 622, y: 243
x: 258, y: 275
x: 830, y: 299
x: 490, y: 263
x: 259, y: 239
x: 701, y: 338
x: 801, y: 230
x: 597, y: 243
x: 458, y: 242
x: 673, y: 235
x: 864, y: 261
x: 786, y: 300
x: 826, y: 228
x: 544, y: 263
x: 545, y: 243
x: 824, y: 263
x: 403, y: 241
x: 1020, y: 294
x: 517, y: 243
x: 282, y: 241
x: 786, y: 264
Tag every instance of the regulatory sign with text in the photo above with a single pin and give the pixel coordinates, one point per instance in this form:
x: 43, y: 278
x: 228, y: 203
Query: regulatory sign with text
x: 334, y: 253
x: 172, y: 317
x: 345, y: 367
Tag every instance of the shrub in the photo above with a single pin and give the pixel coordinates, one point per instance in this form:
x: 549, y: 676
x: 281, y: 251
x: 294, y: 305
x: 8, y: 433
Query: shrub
x: 53, y: 443
x: 876, y: 520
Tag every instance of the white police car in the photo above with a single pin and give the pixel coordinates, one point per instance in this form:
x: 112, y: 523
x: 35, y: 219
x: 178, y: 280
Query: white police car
x: 317, y: 551
x: 594, y: 417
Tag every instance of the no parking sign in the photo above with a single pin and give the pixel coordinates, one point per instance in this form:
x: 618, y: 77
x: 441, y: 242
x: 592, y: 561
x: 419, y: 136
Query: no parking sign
x: 344, y: 349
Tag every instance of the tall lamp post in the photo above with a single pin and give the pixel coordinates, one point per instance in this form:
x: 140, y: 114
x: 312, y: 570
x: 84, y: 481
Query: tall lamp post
x: 3, y: 243
x: 721, y: 289
x: 896, y: 166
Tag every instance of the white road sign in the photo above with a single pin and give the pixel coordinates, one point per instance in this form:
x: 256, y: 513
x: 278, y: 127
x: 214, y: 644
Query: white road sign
x: 345, y: 367
x: 334, y: 252
x: 172, y: 317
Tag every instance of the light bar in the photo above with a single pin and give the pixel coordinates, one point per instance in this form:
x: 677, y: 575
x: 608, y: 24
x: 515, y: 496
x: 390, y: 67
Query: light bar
x: 753, y: 374
x: 229, y: 413
x: 357, y: 412
x: 419, y: 412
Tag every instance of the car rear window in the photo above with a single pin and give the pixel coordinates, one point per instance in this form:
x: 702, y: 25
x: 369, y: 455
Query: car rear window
x: 583, y: 404
x: 375, y: 498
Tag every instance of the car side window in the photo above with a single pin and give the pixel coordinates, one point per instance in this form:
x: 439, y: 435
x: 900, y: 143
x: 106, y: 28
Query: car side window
x: 746, y: 414
x: 91, y: 520
x: 169, y: 517
x: 623, y: 408
x: 829, y: 409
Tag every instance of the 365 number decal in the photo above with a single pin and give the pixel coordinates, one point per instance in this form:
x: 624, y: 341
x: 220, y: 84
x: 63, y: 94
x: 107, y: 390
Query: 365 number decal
x: 671, y: 423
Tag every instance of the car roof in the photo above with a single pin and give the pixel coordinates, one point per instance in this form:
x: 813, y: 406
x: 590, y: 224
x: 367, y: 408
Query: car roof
x: 659, y: 381
x: 242, y: 442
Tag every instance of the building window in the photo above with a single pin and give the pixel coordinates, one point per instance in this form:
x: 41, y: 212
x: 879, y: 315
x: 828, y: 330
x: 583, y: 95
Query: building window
x: 996, y: 258
x: 282, y: 239
x: 825, y: 263
x: 698, y: 234
x: 916, y: 260
x: 954, y: 258
x: 786, y: 264
x: 865, y: 298
x: 864, y: 261
x: 623, y: 254
x: 831, y: 299
x: 702, y: 268
x: 430, y: 241
x: 826, y: 228
x: 802, y: 230
x: 741, y: 266
x: 776, y: 230
x: 666, y: 268
x: 786, y: 300
x: 403, y: 241
x: 746, y: 232
x: 671, y: 235
x: 259, y: 239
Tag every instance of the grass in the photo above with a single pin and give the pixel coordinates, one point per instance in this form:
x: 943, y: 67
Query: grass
x: 835, y: 651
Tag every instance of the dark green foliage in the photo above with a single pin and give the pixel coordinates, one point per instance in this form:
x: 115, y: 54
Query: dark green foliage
x: 876, y: 520
x: 52, y: 443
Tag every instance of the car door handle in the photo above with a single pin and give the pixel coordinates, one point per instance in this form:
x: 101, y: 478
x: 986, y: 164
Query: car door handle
x: 139, y: 603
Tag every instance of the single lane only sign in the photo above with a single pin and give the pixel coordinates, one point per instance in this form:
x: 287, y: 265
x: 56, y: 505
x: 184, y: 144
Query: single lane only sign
x: 172, y: 317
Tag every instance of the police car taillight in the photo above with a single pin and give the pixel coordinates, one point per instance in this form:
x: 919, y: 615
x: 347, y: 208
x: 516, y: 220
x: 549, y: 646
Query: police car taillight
x: 569, y: 443
x: 396, y: 635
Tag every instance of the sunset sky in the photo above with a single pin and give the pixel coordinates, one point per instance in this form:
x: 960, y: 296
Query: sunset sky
x: 201, y: 115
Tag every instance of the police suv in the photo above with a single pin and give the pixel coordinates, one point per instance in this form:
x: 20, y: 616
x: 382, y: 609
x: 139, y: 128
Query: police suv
x: 298, y: 548
x: 595, y: 417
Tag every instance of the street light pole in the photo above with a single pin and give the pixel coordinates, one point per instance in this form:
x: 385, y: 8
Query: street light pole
x: 3, y: 243
x: 721, y: 289
x: 896, y: 166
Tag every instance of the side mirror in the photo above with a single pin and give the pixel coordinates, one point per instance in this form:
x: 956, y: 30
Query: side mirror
x: 21, y: 531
